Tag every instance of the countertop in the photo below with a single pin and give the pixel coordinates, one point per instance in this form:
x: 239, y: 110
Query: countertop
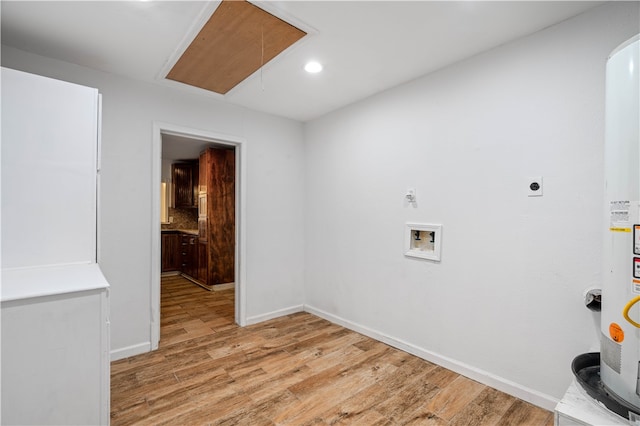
x: 576, y: 407
x: 182, y: 231
x: 26, y: 283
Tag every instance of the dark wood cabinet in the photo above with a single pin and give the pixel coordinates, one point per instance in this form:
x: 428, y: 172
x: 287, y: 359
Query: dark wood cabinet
x: 217, y: 225
x: 202, y: 263
x: 184, y: 253
x: 189, y: 255
x: 203, y: 172
x: 185, y: 184
x: 170, y: 250
x: 208, y: 257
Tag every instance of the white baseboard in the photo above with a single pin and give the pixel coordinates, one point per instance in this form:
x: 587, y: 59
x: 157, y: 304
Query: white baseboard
x: 128, y: 351
x: 500, y: 383
x: 275, y: 314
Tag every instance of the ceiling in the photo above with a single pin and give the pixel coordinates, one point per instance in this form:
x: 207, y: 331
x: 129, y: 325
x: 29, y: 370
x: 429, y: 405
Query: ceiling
x: 365, y: 46
x: 181, y: 148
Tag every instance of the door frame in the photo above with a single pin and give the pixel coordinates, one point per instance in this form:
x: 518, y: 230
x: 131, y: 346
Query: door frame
x: 239, y: 143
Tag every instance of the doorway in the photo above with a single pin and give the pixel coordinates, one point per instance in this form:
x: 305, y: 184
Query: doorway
x: 172, y: 143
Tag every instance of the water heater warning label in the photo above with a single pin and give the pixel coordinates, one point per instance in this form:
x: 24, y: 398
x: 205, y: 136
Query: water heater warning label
x: 636, y: 273
x: 636, y: 239
x: 619, y: 216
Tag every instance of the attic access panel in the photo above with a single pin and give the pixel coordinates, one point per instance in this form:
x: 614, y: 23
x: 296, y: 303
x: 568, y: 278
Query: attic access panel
x: 236, y: 41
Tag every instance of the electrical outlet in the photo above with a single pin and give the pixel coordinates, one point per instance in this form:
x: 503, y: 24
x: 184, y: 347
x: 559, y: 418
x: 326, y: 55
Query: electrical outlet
x: 534, y: 186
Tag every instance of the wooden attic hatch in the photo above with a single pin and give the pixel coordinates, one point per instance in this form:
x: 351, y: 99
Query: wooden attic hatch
x: 236, y: 41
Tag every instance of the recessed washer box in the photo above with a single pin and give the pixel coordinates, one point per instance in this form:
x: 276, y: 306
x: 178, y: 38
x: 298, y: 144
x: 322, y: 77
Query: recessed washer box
x: 423, y: 240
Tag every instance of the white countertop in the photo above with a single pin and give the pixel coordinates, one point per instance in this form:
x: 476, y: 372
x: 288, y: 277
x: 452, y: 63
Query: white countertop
x: 577, y: 405
x: 25, y: 283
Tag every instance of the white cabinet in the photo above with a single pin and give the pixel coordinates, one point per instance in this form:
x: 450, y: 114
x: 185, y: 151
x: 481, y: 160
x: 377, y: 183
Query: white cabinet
x: 55, y: 347
x: 49, y: 162
x: 54, y: 297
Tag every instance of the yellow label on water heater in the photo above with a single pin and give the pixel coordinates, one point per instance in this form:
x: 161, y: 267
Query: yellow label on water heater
x: 620, y: 229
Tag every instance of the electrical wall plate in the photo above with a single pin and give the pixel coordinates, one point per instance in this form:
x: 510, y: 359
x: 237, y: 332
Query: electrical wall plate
x: 423, y: 240
x: 534, y: 186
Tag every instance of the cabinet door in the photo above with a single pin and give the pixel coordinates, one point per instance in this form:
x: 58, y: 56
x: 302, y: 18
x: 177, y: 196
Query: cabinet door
x: 202, y: 229
x: 185, y: 182
x: 170, y: 252
x: 195, y: 188
x: 55, y: 360
x: 184, y: 253
x: 203, y: 173
x: 188, y: 248
x: 193, y: 256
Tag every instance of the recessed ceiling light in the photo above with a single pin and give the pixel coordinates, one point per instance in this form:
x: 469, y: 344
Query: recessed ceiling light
x: 313, y: 67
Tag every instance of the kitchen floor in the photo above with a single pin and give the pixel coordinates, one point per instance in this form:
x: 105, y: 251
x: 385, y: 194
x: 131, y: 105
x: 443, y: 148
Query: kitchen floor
x: 295, y: 370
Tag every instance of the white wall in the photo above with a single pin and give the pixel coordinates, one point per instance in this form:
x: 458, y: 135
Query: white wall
x: 274, y: 259
x: 503, y: 306
x: 505, y: 303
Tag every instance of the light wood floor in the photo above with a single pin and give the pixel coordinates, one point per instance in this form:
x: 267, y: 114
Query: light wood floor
x: 294, y: 370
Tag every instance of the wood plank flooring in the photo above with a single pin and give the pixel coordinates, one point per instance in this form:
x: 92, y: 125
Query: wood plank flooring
x: 294, y: 370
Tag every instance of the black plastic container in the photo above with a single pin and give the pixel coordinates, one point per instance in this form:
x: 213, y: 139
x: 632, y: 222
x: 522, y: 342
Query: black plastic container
x: 586, y: 368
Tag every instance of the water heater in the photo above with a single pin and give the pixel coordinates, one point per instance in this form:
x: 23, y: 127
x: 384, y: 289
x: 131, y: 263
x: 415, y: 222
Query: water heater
x: 620, y: 321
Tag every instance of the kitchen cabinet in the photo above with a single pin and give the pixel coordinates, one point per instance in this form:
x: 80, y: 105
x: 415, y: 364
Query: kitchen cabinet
x: 171, y: 261
x: 216, y: 221
x: 202, y: 263
x: 183, y: 252
x: 208, y: 256
x: 189, y: 255
x: 185, y: 184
